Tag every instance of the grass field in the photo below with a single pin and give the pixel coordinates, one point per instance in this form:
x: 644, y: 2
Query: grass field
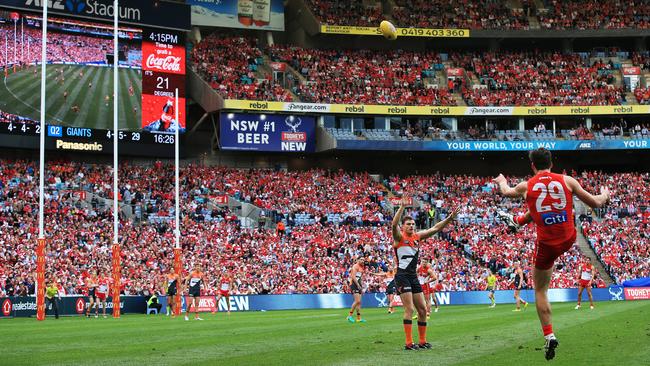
x: 20, y: 94
x: 615, y: 333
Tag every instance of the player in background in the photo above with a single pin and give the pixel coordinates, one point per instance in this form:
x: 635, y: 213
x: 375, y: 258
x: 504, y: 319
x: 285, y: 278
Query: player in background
x: 389, y: 281
x: 91, y: 285
x: 225, y: 285
x: 102, y: 292
x: 435, y: 287
x: 356, y: 287
x: 406, y: 245
x: 586, y: 279
x: 426, y: 276
x: 491, y: 286
x: 195, y: 281
x: 172, y: 291
x: 131, y: 90
x: 549, y: 198
x: 519, y: 281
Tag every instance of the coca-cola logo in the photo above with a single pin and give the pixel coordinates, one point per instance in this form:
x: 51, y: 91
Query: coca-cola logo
x: 168, y: 63
x: 6, y: 307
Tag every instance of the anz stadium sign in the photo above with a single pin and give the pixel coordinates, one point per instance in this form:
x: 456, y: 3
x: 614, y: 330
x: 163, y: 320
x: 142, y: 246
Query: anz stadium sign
x: 158, y: 14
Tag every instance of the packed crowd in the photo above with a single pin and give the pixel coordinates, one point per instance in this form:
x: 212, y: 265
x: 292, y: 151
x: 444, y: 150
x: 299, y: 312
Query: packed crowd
x: 621, y: 239
x: 491, y: 14
x: 229, y: 65
x: 364, y: 76
x: 539, y: 78
x: 346, y: 13
x: 483, y: 14
x: 311, y: 257
x: 593, y: 14
x: 61, y: 47
x: 233, y: 67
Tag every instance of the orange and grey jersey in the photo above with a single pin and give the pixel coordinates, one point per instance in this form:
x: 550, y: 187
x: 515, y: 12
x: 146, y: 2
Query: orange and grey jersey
x: 407, y: 252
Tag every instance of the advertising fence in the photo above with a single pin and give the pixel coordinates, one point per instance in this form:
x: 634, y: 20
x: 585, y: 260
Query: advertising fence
x: 76, y: 305
x: 25, y: 306
x: 535, y: 111
x: 570, y: 145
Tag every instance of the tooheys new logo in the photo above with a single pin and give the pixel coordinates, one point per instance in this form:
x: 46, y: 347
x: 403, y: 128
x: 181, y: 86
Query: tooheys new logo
x: 167, y: 63
x: 89, y: 7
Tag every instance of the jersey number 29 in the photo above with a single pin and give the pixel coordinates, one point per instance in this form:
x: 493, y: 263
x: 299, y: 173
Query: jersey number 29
x: 555, y: 190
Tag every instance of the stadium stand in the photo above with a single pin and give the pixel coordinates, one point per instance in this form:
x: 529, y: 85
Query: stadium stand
x: 483, y: 14
x: 398, y: 77
x: 320, y: 239
x: 342, y: 13
x: 491, y: 14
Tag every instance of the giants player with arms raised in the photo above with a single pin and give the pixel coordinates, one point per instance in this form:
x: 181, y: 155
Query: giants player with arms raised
x: 406, y: 246
x: 586, y: 278
x: 549, y: 197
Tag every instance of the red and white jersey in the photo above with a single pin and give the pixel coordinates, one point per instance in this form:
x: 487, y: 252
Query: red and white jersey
x: 102, y: 287
x: 585, y: 272
x: 423, y: 275
x: 225, y: 284
x: 550, y: 203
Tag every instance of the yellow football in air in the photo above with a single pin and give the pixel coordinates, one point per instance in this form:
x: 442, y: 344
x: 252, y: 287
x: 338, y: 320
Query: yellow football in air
x: 388, y: 30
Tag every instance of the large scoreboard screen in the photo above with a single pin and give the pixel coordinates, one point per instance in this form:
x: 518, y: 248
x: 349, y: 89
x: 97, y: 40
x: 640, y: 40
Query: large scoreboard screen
x: 79, y: 84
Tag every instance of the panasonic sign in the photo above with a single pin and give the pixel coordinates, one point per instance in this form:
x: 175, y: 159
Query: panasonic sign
x: 90, y: 8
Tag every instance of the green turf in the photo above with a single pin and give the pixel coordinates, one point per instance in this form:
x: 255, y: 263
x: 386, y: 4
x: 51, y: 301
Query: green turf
x: 615, y: 333
x: 20, y: 94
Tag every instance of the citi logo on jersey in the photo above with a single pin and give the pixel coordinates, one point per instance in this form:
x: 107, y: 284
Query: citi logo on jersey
x: 553, y: 218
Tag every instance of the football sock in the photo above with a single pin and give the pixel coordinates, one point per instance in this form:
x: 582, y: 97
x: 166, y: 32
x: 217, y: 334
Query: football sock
x: 422, y: 332
x: 408, y: 330
x: 548, y: 330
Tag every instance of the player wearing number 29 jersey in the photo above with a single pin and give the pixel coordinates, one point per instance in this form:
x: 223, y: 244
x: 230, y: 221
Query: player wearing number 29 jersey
x: 549, y: 197
x: 550, y: 203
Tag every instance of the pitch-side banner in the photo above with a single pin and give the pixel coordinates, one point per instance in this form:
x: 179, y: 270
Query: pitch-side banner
x: 267, y: 132
x: 254, y: 105
x: 493, y: 145
x: 401, y: 32
x: 340, y: 301
x: 25, y: 306
x: 247, y: 14
x: 637, y: 293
